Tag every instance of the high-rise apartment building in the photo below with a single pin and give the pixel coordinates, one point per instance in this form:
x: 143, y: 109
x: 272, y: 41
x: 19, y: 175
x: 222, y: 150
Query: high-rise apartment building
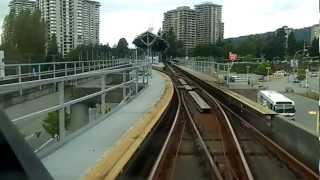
x: 210, y: 28
x: 182, y: 21
x: 195, y: 27
x: 17, y: 6
x: 74, y: 22
x: 91, y: 22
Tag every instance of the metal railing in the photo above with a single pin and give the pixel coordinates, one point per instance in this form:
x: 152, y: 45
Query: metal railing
x: 32, y: 71
x: 134, y: 75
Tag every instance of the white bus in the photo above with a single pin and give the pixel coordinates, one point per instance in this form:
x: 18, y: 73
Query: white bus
x: 277, y: 102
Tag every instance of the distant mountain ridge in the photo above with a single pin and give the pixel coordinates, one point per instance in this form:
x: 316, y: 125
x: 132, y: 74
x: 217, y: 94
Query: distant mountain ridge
x: 302, y: 34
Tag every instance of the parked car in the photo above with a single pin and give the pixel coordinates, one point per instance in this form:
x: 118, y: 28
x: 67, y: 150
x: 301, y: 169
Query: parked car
x: 296, y: 81
x: 314, y: 74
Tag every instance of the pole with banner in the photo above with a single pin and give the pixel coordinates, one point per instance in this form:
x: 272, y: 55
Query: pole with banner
x: 232, y: 57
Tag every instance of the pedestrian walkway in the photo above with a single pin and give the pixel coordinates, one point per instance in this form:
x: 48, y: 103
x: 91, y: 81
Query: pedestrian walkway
x: 93, y: 153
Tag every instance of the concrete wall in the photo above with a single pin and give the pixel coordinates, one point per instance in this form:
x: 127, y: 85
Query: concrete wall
x: 300, y: 143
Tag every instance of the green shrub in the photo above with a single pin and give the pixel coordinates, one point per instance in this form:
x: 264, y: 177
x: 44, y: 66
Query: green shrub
x: 51, y: 123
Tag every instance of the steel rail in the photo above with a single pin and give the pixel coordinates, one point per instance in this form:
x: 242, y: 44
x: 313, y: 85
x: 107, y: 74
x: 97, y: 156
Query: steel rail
x: 155, y: 169
x: 239, y: 149
x: 295, y: 165
x: 203, y: 144
x: 229, y: 131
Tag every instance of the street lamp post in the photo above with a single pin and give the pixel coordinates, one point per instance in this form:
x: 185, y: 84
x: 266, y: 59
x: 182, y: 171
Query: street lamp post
x: 268, y: 71
x: 248, y: 67
x: 307, y: 71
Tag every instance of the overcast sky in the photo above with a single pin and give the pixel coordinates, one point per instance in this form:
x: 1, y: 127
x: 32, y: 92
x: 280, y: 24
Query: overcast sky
x: 128, y: 18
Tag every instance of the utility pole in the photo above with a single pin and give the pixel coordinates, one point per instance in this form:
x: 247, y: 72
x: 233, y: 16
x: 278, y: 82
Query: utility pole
x: 318, y: 117
x: 248, y: 67
x: 268, y: 71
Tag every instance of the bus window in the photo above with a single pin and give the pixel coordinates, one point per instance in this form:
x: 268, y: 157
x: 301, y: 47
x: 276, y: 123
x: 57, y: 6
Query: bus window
x: 284, y: 108
x: 289, y: 109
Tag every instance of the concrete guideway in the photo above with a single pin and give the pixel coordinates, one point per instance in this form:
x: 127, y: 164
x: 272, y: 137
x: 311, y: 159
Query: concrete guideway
x: 90, y: 154
x: 210, y: 80
x: 299, y: 142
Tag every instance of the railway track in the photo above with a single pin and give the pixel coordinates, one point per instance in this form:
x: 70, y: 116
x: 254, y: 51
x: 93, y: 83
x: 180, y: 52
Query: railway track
x: 204, y: 139
x: 266, y: 159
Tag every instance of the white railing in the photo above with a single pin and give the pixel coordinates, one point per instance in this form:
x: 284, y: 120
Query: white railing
x: 32, y: 71
x: 133, y: 74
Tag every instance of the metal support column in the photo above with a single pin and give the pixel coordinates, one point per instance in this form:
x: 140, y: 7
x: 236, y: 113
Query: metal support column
x: 103, y: 95
x: 124, y: 88
x: 143, y: 74
x: 62, y: 130
x: 20, y: 78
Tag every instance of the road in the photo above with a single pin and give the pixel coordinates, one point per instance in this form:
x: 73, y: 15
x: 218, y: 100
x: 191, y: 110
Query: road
x: 303, y: 105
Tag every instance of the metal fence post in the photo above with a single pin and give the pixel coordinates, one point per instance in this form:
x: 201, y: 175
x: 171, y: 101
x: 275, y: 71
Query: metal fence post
x: 39, y: 74
x: 103, y: 95
x: 82, y: 64
x: 144, y: 73
x: 124, y: 88
x: 62, y: 131
x: 75, y: 68
x: 54, y: 70
x: 20, y: 78
x: 137, y: 81
x: 66, y: 69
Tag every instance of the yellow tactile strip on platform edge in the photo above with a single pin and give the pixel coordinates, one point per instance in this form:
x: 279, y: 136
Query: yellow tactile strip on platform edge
x: 113, y: 161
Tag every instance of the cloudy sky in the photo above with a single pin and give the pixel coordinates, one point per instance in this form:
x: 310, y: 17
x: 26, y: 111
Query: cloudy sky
x: 127, y: 18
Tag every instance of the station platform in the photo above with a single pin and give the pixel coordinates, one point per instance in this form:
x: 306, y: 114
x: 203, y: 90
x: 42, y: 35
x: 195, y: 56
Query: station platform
x: 102, y: 151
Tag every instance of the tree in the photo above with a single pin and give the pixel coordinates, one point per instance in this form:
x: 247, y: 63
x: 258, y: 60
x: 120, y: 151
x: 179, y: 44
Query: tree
x: 227, y: 47
x: 122, y: 48
x: 262, y: 69
x: 90, y: 52
x: 175, y: 48
x: 280, y: 43
x: 292, y: 44
x: 314, y: 49
x: 51, y: 123
x: 24, y: 37
x: 208, y: 50
x: 53, y: 51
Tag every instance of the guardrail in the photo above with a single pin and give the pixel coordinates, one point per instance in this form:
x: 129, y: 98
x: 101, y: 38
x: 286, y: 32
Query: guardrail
x: 133, y: 74
x: 21, y: 72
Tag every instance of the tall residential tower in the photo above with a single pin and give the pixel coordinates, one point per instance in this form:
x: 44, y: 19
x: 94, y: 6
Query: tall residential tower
x: 210, y: 28
x: 183, y: 22
x: 74, y: 22
x: 17, y: 6
x: 195, y: 27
